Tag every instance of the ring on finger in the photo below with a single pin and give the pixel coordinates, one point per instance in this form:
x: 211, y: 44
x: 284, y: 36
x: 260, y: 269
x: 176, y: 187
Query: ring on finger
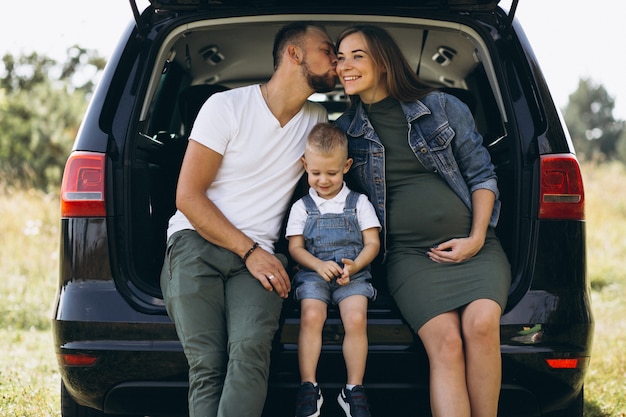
x: 271, y: 277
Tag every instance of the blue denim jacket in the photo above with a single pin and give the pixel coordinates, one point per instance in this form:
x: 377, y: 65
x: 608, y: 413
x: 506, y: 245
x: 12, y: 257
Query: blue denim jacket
x: 443, y: 137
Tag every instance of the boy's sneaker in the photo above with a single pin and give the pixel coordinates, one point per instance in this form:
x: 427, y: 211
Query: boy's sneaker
x: 354, y: 402
x: 309, y: 400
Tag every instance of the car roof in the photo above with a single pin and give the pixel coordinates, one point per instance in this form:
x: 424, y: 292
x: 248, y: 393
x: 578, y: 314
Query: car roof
x: 263, y: 4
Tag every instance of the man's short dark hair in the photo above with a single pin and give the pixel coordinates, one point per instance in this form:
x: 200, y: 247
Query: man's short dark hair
x: 292, y: 33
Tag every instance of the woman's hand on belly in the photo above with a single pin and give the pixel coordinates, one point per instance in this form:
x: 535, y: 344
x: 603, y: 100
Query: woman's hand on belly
x: 456, y: 250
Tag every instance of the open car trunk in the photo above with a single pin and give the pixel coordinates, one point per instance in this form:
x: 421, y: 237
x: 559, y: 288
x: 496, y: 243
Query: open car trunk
x: 202, y: 57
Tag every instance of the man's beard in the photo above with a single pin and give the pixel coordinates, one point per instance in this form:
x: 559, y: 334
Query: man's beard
x: 319, y: 83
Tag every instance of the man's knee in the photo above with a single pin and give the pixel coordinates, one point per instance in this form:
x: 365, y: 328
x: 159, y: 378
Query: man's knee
x: 251, y: 351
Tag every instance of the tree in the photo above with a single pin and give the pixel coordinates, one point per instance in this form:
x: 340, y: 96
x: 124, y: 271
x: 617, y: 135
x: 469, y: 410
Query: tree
x: 589, y: 118
x: 41, y: 105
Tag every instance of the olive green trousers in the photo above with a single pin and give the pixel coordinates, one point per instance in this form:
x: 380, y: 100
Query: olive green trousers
x: 225, y: 321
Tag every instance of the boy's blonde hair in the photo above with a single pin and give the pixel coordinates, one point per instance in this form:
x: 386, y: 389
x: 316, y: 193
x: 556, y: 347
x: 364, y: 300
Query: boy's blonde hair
x: 327, y: 139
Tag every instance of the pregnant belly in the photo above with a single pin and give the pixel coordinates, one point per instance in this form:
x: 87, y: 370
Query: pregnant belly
x: 425, y: 212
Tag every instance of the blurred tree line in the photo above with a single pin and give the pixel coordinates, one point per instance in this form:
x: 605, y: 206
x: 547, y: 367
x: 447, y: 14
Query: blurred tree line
x: 596, y: 134
x: 42, y: 102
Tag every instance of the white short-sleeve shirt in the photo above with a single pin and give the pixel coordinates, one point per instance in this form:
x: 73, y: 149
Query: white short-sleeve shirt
x: 366, y: 215
x: 261, y: 162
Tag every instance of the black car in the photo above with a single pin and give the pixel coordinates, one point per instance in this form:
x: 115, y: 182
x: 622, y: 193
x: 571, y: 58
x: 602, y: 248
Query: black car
x: 117, y: 349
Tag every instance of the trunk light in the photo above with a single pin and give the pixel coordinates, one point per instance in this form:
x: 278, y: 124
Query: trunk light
x: 82, y: 190
x: 562, y: 192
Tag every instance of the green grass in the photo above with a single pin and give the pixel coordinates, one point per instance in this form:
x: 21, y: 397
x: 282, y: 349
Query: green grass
x: 29, y: 238
x: 29, y: 379
x: 605, y: 385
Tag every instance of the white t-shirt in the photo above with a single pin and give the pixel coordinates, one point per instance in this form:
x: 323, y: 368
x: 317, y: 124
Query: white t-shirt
x: 261, y: 160
x: 365, y: 213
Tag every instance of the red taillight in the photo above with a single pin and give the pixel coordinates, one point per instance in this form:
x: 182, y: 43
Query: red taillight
x: 562, y: 193
x: 82, y: 190
x: 568, y: 363
x: 76, y: 359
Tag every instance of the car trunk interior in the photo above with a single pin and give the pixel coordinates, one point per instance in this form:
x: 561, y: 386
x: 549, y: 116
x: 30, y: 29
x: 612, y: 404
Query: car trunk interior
x: 205, y: 57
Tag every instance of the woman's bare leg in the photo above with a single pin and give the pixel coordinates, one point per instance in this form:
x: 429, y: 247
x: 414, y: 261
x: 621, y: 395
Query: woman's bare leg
x: 483, y: 360
x: 441, y: 337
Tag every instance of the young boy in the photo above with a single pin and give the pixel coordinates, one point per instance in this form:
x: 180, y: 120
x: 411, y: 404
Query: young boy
x: 333, y: 236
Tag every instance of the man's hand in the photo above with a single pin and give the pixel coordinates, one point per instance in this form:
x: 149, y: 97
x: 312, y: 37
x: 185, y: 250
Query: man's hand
x: 269, y: 271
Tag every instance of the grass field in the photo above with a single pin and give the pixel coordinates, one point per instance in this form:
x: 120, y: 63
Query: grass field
x: 29, y: 380
x: 605, y: 386
x: 29, y: 236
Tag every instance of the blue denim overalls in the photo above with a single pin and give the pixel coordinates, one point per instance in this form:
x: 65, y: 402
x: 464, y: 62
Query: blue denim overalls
x: 332, y: 236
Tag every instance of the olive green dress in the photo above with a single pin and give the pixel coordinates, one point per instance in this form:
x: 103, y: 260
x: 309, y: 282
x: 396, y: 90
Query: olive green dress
x: 421, y: 212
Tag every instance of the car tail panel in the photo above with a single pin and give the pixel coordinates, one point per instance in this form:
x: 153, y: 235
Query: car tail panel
x: 562, y: 194
x: 83, y: 187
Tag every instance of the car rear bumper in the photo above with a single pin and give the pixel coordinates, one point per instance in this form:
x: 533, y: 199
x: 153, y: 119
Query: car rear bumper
x: 149, y: 376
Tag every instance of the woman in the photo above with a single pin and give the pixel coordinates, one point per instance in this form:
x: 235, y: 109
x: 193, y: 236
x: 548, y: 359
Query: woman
x: 436, y: 196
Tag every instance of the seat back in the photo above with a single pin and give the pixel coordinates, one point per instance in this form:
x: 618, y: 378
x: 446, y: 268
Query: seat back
x: 191, y: 99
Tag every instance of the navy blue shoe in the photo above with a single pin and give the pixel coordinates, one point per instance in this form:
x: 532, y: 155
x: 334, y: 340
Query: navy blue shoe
x: 354, y: 402
x: 309, y: 400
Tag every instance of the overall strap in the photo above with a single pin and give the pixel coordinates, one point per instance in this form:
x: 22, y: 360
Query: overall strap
x: 309, y: 204
x: 351, y: 200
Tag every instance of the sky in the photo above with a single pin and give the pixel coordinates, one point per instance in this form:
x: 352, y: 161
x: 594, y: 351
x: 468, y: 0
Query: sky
x: 572, y: 40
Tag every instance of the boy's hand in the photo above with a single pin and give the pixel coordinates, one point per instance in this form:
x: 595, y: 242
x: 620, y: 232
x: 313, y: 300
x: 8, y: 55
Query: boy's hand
x: 349, y: 269
x: 328, y: 270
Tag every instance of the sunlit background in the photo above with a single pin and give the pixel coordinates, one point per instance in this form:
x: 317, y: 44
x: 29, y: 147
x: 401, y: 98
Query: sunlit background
x: 571, y: 39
